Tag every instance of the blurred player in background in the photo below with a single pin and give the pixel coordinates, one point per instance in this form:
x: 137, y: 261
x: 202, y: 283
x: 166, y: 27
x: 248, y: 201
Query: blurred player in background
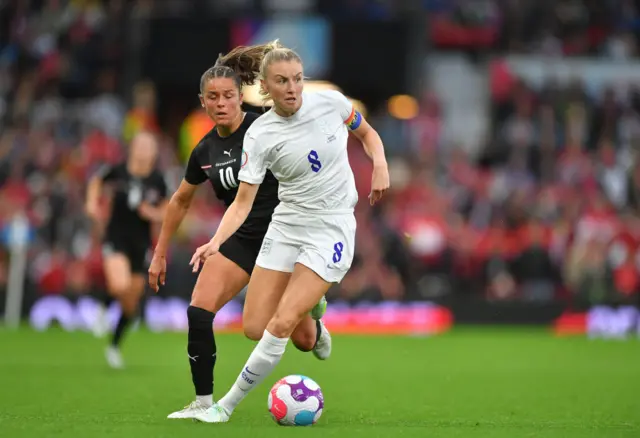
x: 218, y: 158
x: 309, y: 244
x: 139, y: 199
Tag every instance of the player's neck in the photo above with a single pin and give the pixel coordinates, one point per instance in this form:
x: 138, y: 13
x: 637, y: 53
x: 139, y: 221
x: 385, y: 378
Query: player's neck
x: 282, y: 113
x: 226, y: 131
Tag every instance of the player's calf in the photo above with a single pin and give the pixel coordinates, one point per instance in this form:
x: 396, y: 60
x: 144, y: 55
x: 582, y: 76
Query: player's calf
x: 201, y: 351
x: 305, y: 335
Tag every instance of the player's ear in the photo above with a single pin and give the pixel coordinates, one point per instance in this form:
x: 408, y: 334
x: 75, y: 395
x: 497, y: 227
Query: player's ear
x: 241, y: 97
x: 201, y: 100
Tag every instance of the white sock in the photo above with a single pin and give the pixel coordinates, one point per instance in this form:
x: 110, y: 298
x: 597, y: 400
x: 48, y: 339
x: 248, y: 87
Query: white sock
x: 205, y: 400
x: 262, y: 361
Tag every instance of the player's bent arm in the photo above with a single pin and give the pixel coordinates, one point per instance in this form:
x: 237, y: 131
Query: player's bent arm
x: 93, y: 195
x: 237, y: 212
x: 176, y: 210
x: 371, y: 142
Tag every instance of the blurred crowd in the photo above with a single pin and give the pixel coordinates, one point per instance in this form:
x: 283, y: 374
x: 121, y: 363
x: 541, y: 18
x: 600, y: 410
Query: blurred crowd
x: 558, y: 28
x: 63, y: 114
x: 549, y: 210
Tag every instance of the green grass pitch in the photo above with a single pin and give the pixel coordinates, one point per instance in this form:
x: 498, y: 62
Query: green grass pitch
x: 473, y: 382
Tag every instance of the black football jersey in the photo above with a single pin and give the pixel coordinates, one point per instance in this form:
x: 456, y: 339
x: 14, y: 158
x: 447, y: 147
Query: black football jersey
x: 219, y: 159
x: 129, y: 192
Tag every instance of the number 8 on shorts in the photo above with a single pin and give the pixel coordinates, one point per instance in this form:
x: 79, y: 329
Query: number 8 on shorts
x: 337, y: 252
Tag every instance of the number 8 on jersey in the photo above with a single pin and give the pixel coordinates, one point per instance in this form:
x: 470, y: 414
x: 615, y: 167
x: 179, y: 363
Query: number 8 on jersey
x: 313, y: 158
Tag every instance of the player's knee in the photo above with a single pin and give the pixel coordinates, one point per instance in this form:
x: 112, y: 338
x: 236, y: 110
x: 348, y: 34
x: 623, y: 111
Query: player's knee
x: 253, y: 331
x: 119, y: 288
x: 282, y: 325
x: 209, y: 300
x: 202, y: 303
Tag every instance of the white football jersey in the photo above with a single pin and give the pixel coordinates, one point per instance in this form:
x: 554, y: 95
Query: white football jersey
x: 307, y: 153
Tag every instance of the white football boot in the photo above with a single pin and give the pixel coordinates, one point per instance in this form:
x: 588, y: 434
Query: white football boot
x: 213, y: 414
x: 322, y: 350
x: 114, y: 358
x: 190, y: 411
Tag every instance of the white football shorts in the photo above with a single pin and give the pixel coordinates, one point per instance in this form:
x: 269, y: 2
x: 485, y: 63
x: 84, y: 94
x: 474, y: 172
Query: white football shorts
x: 323, y: 242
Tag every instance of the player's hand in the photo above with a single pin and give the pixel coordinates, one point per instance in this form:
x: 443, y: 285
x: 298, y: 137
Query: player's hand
x: 146, y: 211
x: 202, y: 253
x: 157, y: 272
x: 379, y: 182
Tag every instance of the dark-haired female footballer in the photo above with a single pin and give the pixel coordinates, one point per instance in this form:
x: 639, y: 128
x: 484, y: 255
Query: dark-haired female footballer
x: 139, y: 198
x: 218, y: 158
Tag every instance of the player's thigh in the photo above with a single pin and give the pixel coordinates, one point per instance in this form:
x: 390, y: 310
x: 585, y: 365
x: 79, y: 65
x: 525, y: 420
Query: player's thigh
x: 304, y: 290
x: 137, y: 256
x: 263, y: 295
x: 117, y: 270
x: 274, y: 264
x: 219, y: 281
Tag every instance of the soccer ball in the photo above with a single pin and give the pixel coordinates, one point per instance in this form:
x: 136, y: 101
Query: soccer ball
x: 296, y: 401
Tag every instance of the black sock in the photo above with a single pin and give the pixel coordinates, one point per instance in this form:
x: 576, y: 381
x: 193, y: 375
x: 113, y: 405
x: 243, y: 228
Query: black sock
x: 118, y: 333
x: 106, y: 300
x: 318, y: 332
x: 201, y: 349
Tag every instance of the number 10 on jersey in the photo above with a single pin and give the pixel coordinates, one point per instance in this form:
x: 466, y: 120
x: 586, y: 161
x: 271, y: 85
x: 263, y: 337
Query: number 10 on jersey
x: 227, y: 179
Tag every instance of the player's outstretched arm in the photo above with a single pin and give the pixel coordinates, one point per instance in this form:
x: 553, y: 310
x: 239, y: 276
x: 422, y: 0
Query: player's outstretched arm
x: 233, y: 218
x: 176, y: 210
x: 374, y: 148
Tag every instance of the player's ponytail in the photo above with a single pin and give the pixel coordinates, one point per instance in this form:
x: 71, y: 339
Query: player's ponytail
x: 246, y: 61
x: 257, y: 59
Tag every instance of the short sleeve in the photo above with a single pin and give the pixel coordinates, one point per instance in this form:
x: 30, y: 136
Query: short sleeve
x: 350, y: 116
x: 107, y: 173
x: 194, y: 174
x: 254, y: 164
